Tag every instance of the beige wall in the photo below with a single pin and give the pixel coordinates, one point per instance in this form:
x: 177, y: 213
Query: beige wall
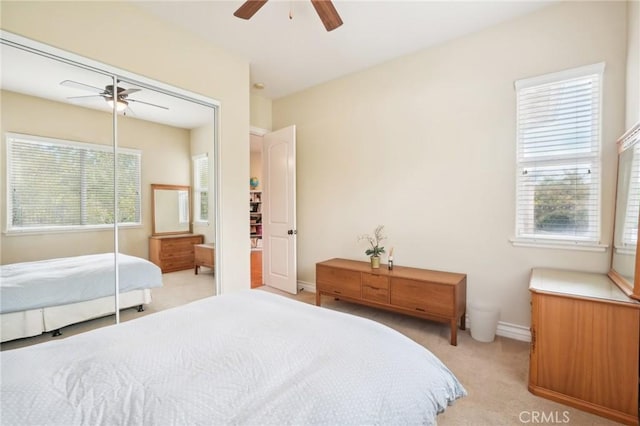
x: 633, y: 63
x: 255, y: 164
x: 160, y: 146
x: 425, y: 145
x: 261, y: 115
x: 128, y: 38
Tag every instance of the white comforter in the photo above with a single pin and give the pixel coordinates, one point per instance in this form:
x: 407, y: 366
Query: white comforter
x: 53, y: 282
x: 250, y: 358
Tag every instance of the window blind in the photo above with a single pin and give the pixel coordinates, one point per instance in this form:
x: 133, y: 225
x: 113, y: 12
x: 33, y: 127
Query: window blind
x: 630, y: 228
x: 201, y: 187
x: 56, y: 184
x: 558, y: 156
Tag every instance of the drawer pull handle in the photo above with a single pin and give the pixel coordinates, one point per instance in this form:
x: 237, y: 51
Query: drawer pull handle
x: 373, y: 288
x: 338, y: 292
x: 420, y: 309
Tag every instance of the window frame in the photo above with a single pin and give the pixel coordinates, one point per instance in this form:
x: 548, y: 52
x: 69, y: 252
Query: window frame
x: 9, y: 229
x: 592, y: 157
x: 197, y: 190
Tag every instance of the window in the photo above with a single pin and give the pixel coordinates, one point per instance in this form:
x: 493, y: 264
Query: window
x: 62, y: 185
x: 630, y: 227
x: 201, y: 188
x: 558, y: 157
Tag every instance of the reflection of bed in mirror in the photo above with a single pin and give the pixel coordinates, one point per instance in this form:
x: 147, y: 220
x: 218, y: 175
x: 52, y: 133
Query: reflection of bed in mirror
x: 46, y: 295
x: 624, y: 262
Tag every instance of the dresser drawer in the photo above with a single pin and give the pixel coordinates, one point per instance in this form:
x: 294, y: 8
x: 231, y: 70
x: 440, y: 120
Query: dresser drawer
x: 340, y: 282
x: 375, y: 287
x: 420, y: 296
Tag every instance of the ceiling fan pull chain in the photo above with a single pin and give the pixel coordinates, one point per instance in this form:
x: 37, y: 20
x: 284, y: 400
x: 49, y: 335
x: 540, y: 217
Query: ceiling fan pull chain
x: 291, y: 10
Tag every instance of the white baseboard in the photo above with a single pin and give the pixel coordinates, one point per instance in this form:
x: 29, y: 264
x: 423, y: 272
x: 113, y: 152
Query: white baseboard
x: 310, y: 287
x: 505, y: 329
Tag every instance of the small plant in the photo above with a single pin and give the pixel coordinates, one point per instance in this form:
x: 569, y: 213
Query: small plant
x: 374, y: 241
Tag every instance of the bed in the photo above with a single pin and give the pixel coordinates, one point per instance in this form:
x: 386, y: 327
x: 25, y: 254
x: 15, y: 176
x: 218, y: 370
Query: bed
x: 47, y: 295
x: 246, y: 358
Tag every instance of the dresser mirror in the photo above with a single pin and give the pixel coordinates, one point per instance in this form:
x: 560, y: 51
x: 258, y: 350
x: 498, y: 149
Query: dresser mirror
x: 625, y: 264
x: 170, y: 212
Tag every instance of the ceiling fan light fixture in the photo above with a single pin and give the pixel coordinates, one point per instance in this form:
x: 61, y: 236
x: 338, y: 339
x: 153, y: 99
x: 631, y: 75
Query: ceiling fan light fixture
x: 121, y: 105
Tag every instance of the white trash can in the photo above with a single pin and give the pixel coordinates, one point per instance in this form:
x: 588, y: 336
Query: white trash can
x: 484, y: 322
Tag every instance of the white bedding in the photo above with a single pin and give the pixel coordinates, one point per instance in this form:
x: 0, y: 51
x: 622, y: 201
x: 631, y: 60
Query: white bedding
x: 52, y: 282
x: 249, y: 358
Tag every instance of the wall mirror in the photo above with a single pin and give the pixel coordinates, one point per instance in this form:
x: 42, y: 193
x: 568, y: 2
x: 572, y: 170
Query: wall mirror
x: 625, y: 264
x: 170, y: 209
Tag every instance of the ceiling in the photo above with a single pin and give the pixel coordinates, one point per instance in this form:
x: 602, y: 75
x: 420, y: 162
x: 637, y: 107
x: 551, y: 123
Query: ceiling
x: 286, y: 55
x: 24, y: 72
x: 289, y: 55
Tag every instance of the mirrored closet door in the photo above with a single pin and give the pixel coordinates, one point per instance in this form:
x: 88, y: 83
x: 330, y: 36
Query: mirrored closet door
x: 74, y: 136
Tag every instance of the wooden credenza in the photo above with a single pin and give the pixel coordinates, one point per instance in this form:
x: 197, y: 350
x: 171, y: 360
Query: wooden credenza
x: 584, y: 343
x: 174, y: 252
x: 433, y: 295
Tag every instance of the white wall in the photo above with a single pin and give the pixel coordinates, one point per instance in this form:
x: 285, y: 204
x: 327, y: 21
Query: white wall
x: 121, y: 35
x: 425, y: 145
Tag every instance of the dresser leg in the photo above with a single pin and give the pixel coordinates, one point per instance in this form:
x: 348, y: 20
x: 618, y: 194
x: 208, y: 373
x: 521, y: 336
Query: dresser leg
x: 463, y: 319
x: 317, y: 298
x: 454, y: 331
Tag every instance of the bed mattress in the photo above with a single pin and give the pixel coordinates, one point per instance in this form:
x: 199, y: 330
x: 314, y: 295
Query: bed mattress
x: 52, y: 282
x: 250, y: 357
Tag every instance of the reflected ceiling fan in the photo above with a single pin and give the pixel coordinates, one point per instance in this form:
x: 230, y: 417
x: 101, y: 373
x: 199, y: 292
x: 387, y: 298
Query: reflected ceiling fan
x: 325, y: 9
x: 122, y: 97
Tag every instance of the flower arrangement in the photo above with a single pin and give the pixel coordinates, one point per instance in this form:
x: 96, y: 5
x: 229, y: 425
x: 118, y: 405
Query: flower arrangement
x: 374, y: 241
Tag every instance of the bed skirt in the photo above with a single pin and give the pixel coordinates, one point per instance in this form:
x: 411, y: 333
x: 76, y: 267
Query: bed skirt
x: 16, y: 325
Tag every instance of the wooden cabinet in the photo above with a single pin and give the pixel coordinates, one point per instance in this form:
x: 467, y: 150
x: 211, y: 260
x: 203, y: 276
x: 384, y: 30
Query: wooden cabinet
x: 204, y: 256
x: 584, y: 343
x: 256, y: 268
x: 174, y: 252
x: 434, y: 295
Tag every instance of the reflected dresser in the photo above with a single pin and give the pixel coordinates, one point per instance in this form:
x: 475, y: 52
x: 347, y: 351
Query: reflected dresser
x: 174, y: 252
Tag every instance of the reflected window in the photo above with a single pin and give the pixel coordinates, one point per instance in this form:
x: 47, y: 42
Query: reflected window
x: 630, y: 229
x: 56, y: 184
x: 201, y: 188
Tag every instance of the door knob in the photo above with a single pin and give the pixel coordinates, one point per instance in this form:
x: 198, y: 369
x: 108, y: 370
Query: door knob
x: 292, y: 232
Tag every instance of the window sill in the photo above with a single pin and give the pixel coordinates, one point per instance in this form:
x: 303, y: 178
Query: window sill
x: 560, y: 245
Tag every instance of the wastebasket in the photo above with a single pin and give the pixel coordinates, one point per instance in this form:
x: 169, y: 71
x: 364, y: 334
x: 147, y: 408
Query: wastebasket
x: 484, y: 321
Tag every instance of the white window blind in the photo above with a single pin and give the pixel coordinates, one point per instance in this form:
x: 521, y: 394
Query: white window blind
x: 201, y: 187
x: 62, y: 185
x: 559, y: 155
x: 630, y: 228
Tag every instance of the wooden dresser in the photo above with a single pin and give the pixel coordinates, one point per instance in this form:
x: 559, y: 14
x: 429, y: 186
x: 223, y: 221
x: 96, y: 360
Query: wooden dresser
x: 434, y: 295
x: 584, y: 343
x: 174, y: 252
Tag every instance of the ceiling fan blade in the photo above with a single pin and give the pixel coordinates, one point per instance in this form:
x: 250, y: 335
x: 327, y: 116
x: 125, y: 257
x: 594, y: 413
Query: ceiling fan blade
x: 249, y: 8
x: 128, y: 91
x: 82, y: 86
x: 147, y: 103
x: 328, y: 14
x: 88, y: 96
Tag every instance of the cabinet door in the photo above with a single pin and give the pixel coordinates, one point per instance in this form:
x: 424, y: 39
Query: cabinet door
x: 588, y: 350
x: 422, y: 296
x: 341, y: 282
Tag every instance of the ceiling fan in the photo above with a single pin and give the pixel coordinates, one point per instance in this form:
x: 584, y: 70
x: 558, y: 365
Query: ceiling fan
x: 121, y: 98
x: 325, y: 9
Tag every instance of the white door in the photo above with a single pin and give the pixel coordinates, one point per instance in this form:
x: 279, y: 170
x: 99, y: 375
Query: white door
x: 279, y: 209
